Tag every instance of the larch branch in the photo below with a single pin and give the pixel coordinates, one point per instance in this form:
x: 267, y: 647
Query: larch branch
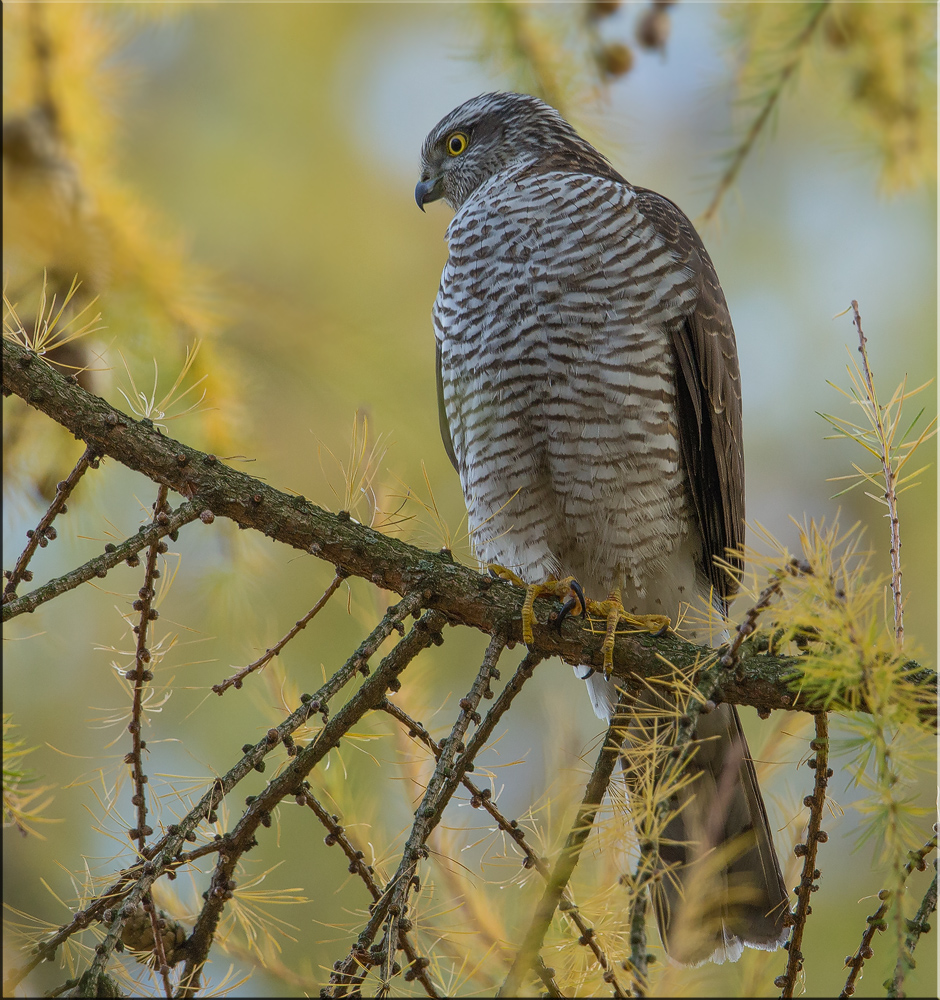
x: 466, y: 597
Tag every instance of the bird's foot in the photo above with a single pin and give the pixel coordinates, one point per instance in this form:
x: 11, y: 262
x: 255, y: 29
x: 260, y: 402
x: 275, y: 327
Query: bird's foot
x: 502, y: 573
x: 567, y: 589
x: 612, y: 609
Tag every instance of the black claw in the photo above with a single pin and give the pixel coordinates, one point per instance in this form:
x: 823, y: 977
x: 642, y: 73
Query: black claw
x: 576, y: 587
x: 575, y: 601
x: 566, y: 610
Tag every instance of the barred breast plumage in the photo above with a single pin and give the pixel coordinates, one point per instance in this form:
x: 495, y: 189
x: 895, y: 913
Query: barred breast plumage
x: 589, y: 399
x: 559, y: 382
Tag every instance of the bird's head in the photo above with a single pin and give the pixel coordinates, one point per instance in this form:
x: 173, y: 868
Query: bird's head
x: 487, y: 134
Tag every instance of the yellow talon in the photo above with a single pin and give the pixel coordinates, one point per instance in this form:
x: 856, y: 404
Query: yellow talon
x: 612, y: 609
x: 550, y: 588
x: 502, y: 573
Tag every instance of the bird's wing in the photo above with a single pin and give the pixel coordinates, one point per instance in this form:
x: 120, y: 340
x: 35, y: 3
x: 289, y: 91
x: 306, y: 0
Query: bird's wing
x: 708, y: 397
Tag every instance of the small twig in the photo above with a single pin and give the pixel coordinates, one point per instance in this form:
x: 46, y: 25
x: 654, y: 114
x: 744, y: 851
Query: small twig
x: 854, y: 963
x: 639, y: 954
x: 392, y: 906
x: 499, y: 707
x: 141, y: 675
x: 876, y: 922
x: 44, y: 531
x: 890, y: 474
x: 425, y: 632
x: 916, y: 927
x: 757, y: 126
x: 417, y: 965
x: 163, y: 968
x: 459, y: 768
x: 440, y: 789
x: 567, y: 860
x: 237, y: 679
x: 747, y: 627
x: 887, y: 776
x: 481, y: 798
x: 140, y: 894
x: 814, y: 836
x: 547, y: 976
x: 99, y: 566
x: 392, y: 621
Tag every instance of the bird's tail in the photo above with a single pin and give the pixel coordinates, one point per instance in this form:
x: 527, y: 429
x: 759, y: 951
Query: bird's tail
x: 717, y: 884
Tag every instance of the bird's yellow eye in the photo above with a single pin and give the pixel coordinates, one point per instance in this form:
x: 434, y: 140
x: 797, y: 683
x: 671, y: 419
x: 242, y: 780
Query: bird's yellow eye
x: 457, y: 142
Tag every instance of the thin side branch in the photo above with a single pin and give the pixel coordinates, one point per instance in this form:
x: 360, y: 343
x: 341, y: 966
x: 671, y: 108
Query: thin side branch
x: 916, y: 927
x: 890, y: 475
x: 142, y: 676
x: 44, y: 532
x: 439, y: 792
x: 547, y: 977
x: 763, y: 116
x: 749, y: 624
x: 417, y: 965
x: 98, y: 567
x: 639, y: 953
x: 481, y: 798
x: 238, y: 678
x: 814, y: 837
x: 159, y: 953
x: 876, y: 922
x: 564, y: 867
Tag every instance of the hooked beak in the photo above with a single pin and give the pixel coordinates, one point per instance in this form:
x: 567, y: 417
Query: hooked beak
x: 429, y: 190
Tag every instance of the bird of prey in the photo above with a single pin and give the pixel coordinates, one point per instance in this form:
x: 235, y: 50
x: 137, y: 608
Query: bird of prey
x: 589, y: 399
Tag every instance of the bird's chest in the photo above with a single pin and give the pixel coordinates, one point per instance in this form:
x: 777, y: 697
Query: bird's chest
x: 552, y: 383
x: 553, y: 322
x: 559, y: 390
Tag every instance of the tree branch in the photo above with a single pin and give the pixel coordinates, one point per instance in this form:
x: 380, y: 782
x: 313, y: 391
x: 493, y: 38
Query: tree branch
x: 481, y: 798
x: 566, y: 862
x: 466, y: 597
x: 814, y: 837
x: 289, y: 782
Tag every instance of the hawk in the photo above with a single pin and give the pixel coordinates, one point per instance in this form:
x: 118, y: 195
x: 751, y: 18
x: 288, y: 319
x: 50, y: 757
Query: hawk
x: 589, y: 399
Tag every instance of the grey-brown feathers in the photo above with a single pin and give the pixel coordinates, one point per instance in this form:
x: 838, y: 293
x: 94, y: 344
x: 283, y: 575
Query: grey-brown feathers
x: 590, y: 401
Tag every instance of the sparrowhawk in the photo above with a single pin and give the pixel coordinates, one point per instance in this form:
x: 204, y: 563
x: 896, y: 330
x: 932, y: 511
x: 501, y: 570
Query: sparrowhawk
x: 590, y: 401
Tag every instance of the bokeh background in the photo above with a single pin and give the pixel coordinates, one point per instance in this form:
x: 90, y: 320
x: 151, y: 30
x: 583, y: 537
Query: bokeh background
x: 242, y: 176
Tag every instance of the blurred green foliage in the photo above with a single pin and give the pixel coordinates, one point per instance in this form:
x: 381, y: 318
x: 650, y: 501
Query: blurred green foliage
x: 240, y: 176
